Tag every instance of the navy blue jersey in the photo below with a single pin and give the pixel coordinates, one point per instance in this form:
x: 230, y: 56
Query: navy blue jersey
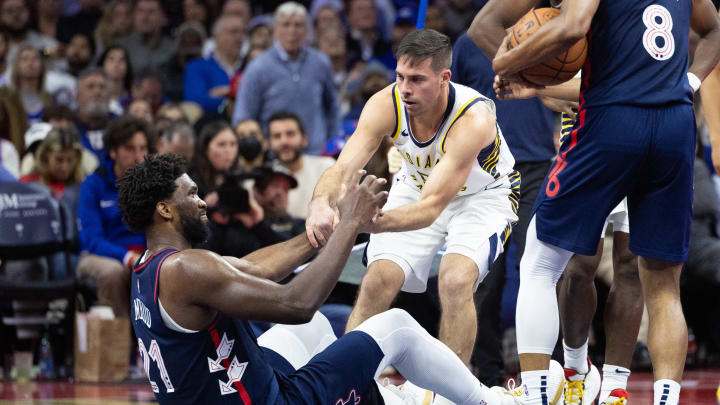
x: 222, y: 364
x: 638, y: 54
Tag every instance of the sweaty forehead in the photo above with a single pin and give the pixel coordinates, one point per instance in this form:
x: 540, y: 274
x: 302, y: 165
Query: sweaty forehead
x: 184, y: 183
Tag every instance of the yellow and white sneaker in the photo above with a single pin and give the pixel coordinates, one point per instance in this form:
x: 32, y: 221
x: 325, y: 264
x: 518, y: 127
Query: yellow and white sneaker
x: 581, y: 389
x: 617, y: 397
x: 517, y: 395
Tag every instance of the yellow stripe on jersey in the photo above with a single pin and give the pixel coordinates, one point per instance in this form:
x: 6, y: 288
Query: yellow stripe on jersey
x: 398, y: 115
x: 428, y: 398
x: 459, y: 114
x: 489, y: 164
x: 567, y: 123
x: 514, y: 198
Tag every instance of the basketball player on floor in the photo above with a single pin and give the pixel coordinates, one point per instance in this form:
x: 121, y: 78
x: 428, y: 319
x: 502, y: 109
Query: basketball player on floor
x: 190, y: 311
x: 457, y: 187
x: 635, y: 137
x: 578, y: 298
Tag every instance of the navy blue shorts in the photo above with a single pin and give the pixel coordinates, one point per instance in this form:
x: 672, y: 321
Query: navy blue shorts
x: 645, y: 154
x: 342, y: 374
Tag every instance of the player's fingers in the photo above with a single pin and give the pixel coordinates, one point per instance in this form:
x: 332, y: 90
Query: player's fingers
x: 355, y: 176
x: 381, y: 198
x: 377, y: 184
x: 368, y: 180
x: 311, y: 237
x: 321, y: 236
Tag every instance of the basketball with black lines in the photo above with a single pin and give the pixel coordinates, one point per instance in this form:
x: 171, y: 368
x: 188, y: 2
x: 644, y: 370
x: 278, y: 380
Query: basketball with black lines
x: 557, y: 69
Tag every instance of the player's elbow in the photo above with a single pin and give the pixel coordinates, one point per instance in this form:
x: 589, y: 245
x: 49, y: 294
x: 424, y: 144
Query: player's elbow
x: 574, y: 30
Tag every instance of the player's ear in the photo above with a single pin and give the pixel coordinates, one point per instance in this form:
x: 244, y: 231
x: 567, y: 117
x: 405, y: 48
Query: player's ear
x: 162, y: 208
x: 445, y: 75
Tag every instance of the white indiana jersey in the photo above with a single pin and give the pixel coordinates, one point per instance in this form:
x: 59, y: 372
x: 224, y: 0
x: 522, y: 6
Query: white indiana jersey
x: 493, y: 164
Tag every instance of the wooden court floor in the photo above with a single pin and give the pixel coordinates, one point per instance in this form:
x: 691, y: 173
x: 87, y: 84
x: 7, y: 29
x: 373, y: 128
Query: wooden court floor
x: 699, y: 388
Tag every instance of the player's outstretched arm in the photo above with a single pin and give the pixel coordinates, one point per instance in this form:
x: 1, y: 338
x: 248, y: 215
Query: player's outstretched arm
x: 277, y: 261
x: 376, y: 121
x: 555, y: 36
x: 202, y: 278
x: 470, y: 134
x: 488, y: 27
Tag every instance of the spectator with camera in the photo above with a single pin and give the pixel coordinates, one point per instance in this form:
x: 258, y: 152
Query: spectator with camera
x: 273, y: 182
x: 237, y: 222
x: 110, y: 248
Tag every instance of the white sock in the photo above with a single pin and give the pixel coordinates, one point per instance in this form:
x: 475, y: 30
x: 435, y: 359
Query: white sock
x: 535, y: 385
x: 576, y: 359
x: 613, y: 377
x: 667, y: 392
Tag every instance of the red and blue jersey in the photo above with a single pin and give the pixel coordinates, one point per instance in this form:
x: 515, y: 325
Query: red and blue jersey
x: 222, y: 364
x: 638, y: 54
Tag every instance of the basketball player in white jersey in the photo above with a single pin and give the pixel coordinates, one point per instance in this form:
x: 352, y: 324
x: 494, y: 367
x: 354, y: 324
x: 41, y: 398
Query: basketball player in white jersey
x: 457, y: 188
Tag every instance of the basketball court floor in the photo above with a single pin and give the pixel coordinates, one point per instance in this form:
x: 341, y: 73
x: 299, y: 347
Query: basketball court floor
x: 699, y: 388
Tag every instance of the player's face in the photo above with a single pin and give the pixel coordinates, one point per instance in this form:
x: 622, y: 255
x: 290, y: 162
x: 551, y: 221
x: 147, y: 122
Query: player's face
x: 420, y: 86
x: 191, y: 210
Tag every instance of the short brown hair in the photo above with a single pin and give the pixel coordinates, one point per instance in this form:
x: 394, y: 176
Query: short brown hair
x: 426, y: 43
x: 124, y: 128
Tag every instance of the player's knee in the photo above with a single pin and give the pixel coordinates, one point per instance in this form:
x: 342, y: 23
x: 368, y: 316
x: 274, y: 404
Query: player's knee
x: 399, y: 318
x: 581, y: 269
x: 378, y: 286
x: 625, y: 266
x: 457, y: 285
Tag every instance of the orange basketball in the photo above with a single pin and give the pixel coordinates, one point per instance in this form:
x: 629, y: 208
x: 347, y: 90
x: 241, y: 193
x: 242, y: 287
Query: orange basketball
x: 555, y: 70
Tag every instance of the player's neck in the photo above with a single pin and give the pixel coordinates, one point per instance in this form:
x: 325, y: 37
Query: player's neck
x: 159, y: 238
x: 430, y: 120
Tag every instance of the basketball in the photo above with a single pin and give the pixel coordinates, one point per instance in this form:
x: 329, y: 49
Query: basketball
x: 558, y: 69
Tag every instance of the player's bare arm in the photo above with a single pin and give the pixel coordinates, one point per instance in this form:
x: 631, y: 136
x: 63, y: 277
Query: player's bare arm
x: 488, y: 28
x: 555, y: 36
x: 277, y: 261
x: 470, y: 134
x: 374, y: 124
x: 710, y: 91
x: 705, y: 22
x: 209, y: 283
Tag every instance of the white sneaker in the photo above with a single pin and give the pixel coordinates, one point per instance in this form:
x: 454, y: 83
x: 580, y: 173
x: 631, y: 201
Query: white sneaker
x: 581, y: 389
x: 406, y: 394
x: 518, y: 395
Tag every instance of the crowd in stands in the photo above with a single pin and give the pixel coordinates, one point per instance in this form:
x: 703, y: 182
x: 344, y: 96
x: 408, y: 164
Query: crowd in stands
x: 259, y: 97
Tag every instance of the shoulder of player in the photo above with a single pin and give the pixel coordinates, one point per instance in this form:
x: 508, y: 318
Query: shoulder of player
x: 476, y: 116
x: 379, y: 110
x: 383, y: 98
x: 473, y: 129
x: 193, y: 266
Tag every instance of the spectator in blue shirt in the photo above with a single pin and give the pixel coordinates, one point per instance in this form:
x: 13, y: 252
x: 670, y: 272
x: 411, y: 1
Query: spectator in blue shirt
x: 207, y: 80
x: 291, y: 77
x: 109, y: 248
